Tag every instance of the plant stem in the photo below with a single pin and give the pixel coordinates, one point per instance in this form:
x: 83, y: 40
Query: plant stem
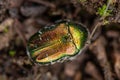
x: 100, y: 22
x: 107, y: 69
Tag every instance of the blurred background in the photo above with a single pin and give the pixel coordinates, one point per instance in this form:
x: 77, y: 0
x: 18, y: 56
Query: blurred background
x: 19, y: 19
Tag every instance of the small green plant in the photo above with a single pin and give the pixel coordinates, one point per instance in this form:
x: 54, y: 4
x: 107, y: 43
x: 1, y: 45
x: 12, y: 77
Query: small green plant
x: 6, y: 29
x: 105, y: 22
x: 103, y: 11
x: 12, y: 53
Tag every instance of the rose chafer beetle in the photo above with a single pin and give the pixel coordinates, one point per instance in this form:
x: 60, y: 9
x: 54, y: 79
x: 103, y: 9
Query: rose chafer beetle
x: 57, y: 42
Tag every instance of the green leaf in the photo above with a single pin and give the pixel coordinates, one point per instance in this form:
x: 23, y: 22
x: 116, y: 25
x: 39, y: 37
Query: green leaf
x: 12, y: 53
x: 101, y: 11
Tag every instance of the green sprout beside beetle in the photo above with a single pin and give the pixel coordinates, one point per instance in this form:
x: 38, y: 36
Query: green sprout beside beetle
x: 101, y: 11
x: 104, y: 12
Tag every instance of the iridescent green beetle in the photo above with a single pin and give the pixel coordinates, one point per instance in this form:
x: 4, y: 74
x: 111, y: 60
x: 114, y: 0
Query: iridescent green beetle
x: 57, y: 42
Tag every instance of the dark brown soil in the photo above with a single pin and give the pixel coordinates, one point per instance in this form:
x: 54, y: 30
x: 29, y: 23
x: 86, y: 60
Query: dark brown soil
x: 19, y: 19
